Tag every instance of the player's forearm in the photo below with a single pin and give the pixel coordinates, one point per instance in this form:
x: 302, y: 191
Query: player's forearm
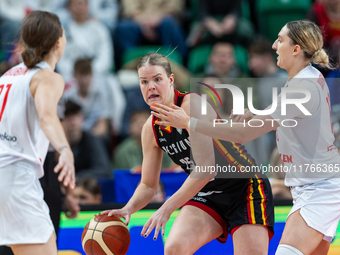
x: 236, y: 133
x: 54, y: 131
x: 141, y: 197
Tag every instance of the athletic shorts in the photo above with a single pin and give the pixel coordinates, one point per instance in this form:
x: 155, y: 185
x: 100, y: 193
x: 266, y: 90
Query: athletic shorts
x: 24, y: 215
x: 319, y: 205
x: 251, y: 203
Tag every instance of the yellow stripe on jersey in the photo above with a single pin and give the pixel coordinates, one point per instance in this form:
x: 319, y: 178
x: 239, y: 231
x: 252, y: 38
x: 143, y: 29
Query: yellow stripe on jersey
x: 251, y: 201
x: 262, y: 201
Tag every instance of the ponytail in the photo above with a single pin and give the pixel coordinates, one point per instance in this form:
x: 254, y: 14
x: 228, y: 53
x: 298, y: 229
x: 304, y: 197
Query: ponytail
x: 321, y: 58
x: 30, y: 57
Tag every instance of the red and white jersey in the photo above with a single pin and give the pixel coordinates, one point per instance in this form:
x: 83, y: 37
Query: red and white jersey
x: 21, y: 138
x: 307, y: 150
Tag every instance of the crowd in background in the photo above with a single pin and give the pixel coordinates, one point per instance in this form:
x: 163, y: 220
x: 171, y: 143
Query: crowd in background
x: 215, y: 41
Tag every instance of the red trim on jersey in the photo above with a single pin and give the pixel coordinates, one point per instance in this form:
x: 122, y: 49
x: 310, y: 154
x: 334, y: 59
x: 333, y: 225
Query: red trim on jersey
x: 270, y: 232
x: 154, y: 130
x: 215, y: 216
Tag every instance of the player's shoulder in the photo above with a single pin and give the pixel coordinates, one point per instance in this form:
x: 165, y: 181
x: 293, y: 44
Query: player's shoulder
x: 147, y: 127
x: 148, y: 133
x: 47, y: 74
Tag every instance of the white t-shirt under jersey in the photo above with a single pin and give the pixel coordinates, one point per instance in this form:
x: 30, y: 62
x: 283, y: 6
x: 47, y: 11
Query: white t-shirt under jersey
x: 307, y: 150
x: 21, y: 138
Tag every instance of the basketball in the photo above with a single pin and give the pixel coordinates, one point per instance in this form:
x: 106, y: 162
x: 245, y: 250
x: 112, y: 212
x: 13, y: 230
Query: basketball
x: 105, y: 235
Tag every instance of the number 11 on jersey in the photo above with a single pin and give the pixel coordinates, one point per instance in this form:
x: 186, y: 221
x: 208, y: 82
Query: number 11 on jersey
x: 8, y: 87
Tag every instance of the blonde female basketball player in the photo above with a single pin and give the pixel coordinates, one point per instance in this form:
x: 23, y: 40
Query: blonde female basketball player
x: 29, y: 94
x: 308, y: 148
x: 211, y: 207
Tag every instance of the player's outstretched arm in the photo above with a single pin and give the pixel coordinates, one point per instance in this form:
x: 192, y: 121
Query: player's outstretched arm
x: 151, y: 169
x: 47, y: 88
x: 203, y: 153
x: 233, y: 131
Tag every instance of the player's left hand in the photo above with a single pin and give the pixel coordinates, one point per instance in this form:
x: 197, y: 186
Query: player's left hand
x: 170, y: 116
x: 158, y: 221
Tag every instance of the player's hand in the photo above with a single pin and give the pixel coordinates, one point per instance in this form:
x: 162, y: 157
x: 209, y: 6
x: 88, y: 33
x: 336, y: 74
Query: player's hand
x: 158, y: 221
x: 240, y: 118
x: 119, y: 213
x: 170, y: 116
x: 66, y: 168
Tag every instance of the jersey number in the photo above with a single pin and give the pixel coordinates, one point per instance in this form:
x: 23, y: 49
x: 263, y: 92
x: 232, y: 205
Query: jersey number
x: 8, y: 87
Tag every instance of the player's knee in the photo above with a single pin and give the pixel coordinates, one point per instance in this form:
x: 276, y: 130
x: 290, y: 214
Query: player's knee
x: 285, y: 249
x: 175, y: 248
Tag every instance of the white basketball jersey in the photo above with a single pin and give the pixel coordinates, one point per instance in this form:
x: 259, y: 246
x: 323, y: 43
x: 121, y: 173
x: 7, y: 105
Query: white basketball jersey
x: 308, y: 150
x: 21, y: 138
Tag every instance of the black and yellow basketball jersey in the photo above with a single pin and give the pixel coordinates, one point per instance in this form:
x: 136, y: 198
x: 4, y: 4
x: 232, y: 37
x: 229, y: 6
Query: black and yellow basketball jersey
x: 175, y: 142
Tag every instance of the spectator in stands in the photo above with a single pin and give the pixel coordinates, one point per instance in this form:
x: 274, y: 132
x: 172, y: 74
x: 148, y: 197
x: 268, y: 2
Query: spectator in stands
x: 11, y: 15
x: 160, y: 195
x: 326, y: 13
x: 90, y: 156
x: 129, y: 154
x: 92, y: 96
x: 222, y: 62
x: 222, y: 21
x: 87, y: 191
x: 333, y: 82
x: 106, y: 11
x: 86, y: 38
x: 262, y: 64
x: 151, y: 21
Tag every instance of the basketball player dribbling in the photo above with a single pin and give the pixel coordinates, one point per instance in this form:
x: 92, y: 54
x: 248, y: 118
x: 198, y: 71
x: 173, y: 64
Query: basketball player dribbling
x: 29, y: 94
x: 309, y: 147
x: 212, y: 207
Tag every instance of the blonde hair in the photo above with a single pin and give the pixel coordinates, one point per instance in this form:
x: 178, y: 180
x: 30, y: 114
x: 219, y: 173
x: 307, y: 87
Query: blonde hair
x: 308, y: 36
x: 156, y: 59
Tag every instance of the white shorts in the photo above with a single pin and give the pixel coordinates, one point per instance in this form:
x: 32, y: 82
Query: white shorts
x: 24, y: 215
x: 320, y: 205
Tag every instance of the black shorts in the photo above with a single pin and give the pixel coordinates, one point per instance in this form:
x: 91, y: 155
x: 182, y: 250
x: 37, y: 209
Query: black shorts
x: 250, y: 203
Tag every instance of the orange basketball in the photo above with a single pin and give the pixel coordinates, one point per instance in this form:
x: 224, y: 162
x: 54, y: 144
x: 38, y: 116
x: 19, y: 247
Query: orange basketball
x: 105, y: 235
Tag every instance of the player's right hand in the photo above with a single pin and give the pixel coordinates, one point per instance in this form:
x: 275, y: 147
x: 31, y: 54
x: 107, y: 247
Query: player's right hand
x: 120, y: 213
x: 66, y: 168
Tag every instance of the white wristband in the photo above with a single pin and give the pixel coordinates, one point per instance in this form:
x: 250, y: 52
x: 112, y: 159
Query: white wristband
x: 192, y: 123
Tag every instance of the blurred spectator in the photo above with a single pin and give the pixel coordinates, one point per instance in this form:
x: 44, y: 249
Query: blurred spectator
x: 92, y: 95
x: 86, y: 38
x: 151, y: 21
x: 222, y: 62
x: 129, y: 154
x: 262, y: 64
x: 220, y: 20
x: 276, y: 178
x: 11, y: 14
x: 326, y: 14
x: 106, y: 11
x: 160, y: 195
x: 333, y: 82
x: 90, y: 157
x: 87, y: 192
